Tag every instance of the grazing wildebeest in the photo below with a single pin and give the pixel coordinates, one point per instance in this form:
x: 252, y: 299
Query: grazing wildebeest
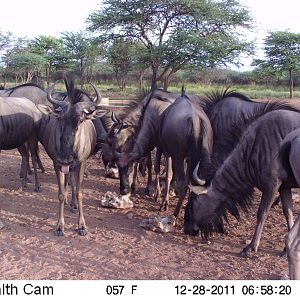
x: 18, y: 125
x: 290, y: 171
x: 250, y: 164
x: 136, y: 136
x: 185, y: 135
x: 69, y: 138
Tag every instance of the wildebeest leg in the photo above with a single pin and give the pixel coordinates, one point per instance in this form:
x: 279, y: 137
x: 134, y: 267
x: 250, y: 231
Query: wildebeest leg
x: 133, y: 177
x: 292, y: 242
x: 267, y: 199
x: 165, y: 203
x: 287, y: 206
x: 74, y: 206
x: 39, y: 162
x: 33, y: 146
x: 149, y: 179
x: 82, y: 229
x: 62, y: 198
x: 157, y: 171
x: 23, y: 150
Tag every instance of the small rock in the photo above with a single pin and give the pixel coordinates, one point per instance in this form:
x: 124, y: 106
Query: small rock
x: 130, y: 216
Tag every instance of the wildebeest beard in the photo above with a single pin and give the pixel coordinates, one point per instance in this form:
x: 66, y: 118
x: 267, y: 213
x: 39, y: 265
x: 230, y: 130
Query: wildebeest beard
x: 65, y: 143
x: 232, y: 203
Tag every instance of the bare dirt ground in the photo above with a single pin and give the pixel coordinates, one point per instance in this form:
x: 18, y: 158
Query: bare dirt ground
x: 116, y: 247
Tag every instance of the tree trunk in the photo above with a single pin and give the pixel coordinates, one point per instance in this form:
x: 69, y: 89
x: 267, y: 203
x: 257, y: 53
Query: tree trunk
x: 141, y: 79
x: 154, y: 77
x: 167, y: 82
x: 291, y: 84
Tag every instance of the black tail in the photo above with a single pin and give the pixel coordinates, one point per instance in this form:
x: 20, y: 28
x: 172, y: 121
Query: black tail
x: 283, y: 157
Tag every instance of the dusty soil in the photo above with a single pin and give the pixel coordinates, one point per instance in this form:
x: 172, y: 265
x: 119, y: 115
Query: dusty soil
x: 116, y: 247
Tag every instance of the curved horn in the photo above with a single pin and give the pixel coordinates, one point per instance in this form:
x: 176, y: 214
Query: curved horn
x: 98, y: 97
x: 195, y: 176
x: 114, y: 117
x: 51, y: 99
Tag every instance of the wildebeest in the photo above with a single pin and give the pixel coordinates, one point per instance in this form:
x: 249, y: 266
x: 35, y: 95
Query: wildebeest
x: 136, y: 136
x: 19, y: 119
x: 69, y: 138
x: 250, y: 164
x: 185, y: 135
x: 37, y: 95
x: 290, y: 169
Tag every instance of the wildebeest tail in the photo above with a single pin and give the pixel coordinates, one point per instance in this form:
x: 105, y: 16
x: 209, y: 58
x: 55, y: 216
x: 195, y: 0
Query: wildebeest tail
x: 200, y: 148
x: 283, y: 157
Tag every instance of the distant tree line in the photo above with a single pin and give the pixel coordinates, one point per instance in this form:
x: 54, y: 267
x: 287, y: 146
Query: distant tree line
x: 154, y: 42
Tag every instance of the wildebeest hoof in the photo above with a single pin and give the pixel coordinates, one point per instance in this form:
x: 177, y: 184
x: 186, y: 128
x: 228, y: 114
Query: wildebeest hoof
x: 164, y: 207
x: 283, y: 253
x: 58, y: 232
x: 82, y: 231
x: 74, y: 210
x: 247, y: 251
x: 37, y: 189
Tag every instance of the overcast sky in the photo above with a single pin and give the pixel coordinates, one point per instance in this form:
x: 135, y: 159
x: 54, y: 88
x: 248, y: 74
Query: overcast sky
x: 30, y: 18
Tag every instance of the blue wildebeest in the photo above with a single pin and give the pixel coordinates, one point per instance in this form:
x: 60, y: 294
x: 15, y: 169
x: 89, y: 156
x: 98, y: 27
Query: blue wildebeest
x: 69, y: 138
x: 37, y: 95
x: 135, y: 136
x: 185, y: 135
x: 290, y: 171
x: 19, y: 119
x: 250, y: 164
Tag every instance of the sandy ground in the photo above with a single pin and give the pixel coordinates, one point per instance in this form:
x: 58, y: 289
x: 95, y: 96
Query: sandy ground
x: 116, y: 247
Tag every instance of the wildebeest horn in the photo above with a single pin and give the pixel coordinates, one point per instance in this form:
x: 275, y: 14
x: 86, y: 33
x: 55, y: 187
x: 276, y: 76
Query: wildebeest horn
x: 195, y: 176
x: 98, y: 97
x: 51, y: 99
x: 114, y: 117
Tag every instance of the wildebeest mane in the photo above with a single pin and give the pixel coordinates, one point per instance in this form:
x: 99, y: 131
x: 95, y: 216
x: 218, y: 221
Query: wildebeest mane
x: 214, y: 97
x: 30, y: 84
x: 74, y: 94
x: 232, y: 137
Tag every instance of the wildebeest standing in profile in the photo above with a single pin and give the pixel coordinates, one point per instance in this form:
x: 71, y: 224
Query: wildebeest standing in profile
x: 69, y: 138
x: 185, y: 135
x: 251, y: 164
x: 37, y: 95
x: 19, y: 120
x: 290, y: 169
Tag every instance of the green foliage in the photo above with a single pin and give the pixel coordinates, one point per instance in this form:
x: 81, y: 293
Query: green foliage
x: 204, y: 32
x: 83, y: 50
x: 282, y: 50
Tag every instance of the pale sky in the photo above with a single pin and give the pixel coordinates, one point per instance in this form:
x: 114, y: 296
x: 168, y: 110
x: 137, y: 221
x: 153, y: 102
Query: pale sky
x: 30, y: 18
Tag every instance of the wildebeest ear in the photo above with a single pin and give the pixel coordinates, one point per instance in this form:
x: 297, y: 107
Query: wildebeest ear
x: 197, y: 189
x: 45, y: 109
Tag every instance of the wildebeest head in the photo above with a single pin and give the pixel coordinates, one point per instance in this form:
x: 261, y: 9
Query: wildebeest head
x: 203, y: 214
x: 72, y: 140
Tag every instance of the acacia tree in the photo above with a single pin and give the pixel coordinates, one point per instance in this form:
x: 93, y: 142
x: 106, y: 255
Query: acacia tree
x: 282, y: 51
x: 176, y: 32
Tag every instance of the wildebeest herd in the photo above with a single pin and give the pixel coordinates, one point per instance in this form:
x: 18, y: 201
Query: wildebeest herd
x: 218, y: 147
